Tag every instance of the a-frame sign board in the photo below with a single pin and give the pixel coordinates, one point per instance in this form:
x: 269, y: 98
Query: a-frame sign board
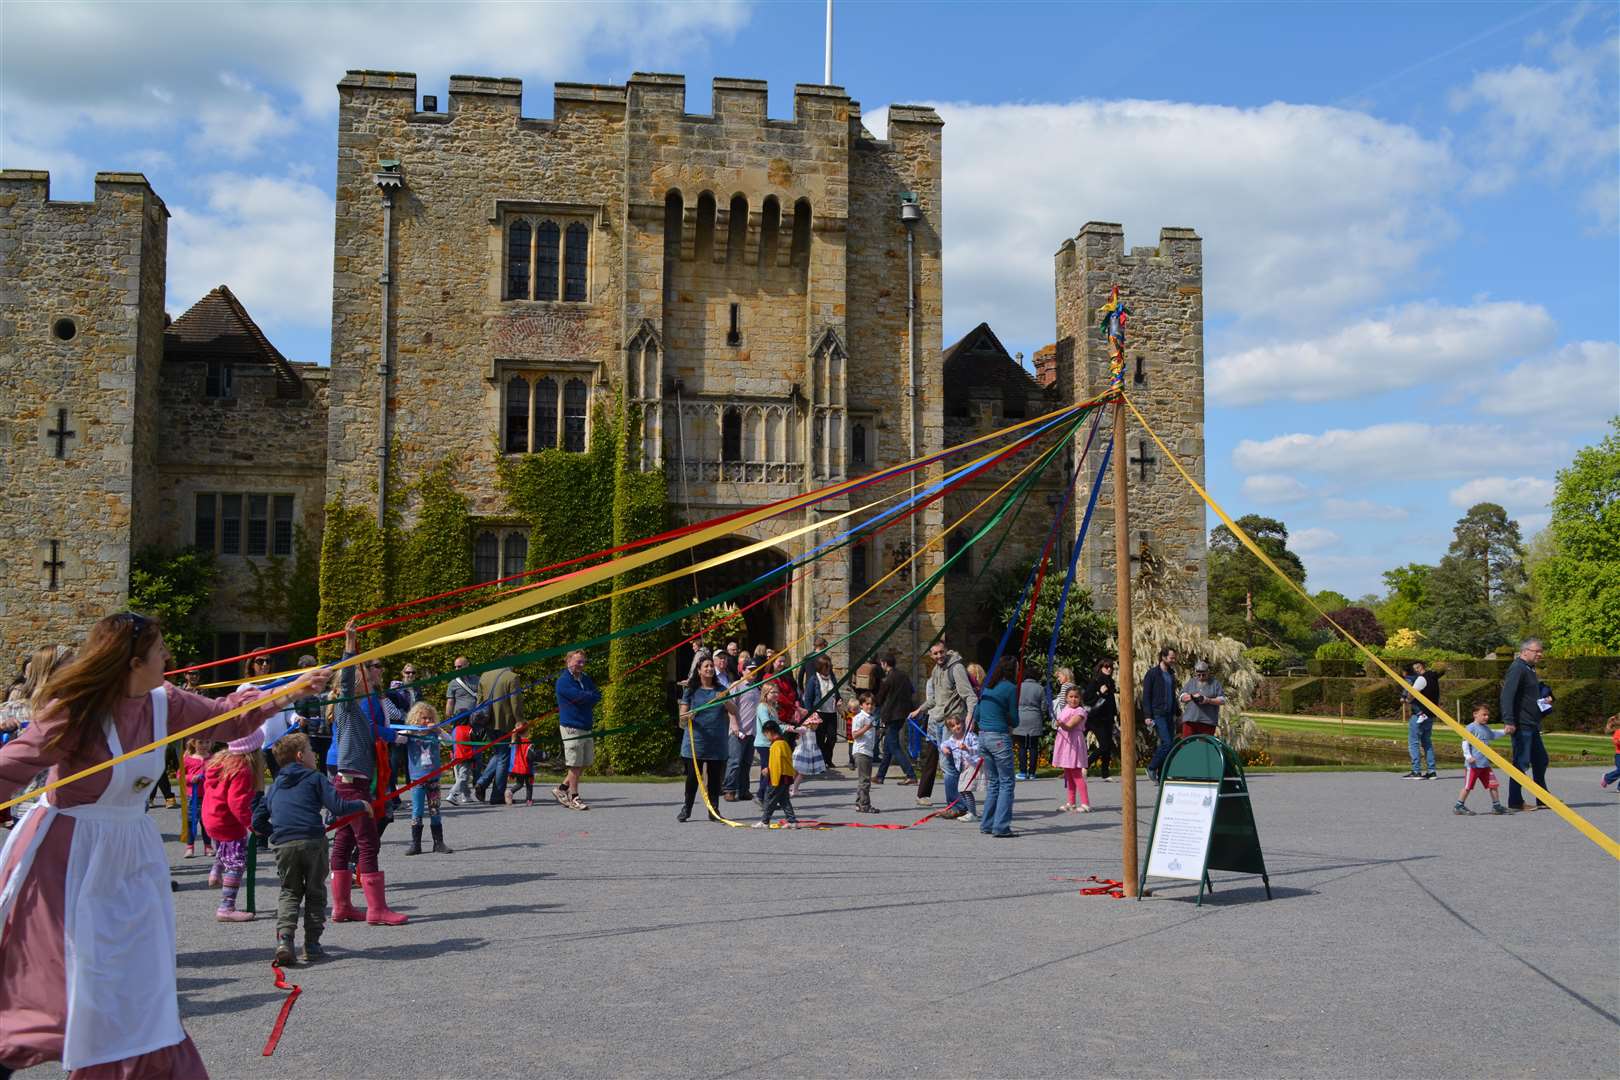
x: 1203, y: 820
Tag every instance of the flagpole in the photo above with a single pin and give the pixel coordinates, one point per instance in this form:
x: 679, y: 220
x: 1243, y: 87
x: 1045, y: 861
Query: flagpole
x: 826, y: 75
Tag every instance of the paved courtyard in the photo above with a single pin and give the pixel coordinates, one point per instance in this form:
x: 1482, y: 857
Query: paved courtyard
x: 1402, y: 941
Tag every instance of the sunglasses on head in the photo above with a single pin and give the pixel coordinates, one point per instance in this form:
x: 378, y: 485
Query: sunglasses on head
x: 137, y: 624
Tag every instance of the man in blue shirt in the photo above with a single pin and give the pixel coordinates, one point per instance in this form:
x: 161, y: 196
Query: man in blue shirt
x: 577, y: 696
x: 1159, y: 707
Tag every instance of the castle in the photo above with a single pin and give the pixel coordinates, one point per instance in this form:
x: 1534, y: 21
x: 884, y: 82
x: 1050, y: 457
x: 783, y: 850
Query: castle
x: 737, y: 285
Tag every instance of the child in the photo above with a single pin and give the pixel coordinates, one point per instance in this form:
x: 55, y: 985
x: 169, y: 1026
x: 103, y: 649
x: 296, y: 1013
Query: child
x: 780, y: 763
x: 289, y: 816
x: 764, y: 711
x: 863, y: 747
x: 463, y: 756
x: 1613, y: 728
x: 520, y: 771
x: 195, y: 763
x: 1479, y: 766
x: 230, y: 781
x: 960, y: 754
x: 1069, y: 751
x: 421, y: 759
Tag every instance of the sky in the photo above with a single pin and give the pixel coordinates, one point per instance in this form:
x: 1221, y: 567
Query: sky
x: 1409, y: 211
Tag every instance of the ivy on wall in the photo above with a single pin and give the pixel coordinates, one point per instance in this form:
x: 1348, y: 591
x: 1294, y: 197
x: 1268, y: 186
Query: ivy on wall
x: 573, y: 504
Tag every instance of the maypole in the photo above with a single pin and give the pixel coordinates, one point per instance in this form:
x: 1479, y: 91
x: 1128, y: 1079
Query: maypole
x: 1114, y: 316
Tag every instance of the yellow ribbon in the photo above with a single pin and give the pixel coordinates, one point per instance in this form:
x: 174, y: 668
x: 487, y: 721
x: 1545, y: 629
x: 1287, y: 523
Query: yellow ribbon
x: 1543, y: 796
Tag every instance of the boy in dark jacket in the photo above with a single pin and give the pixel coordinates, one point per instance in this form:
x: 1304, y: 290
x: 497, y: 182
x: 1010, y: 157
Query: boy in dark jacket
x: 289, y: 816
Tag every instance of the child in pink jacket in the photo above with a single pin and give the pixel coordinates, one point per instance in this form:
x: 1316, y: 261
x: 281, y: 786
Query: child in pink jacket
x: 232, y: 778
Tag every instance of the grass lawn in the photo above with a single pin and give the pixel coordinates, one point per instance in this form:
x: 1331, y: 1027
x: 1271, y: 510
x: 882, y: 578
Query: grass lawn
x: 1563, y: 746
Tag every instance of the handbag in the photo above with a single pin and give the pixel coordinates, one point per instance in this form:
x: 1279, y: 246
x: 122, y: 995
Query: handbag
x: 807, y: 759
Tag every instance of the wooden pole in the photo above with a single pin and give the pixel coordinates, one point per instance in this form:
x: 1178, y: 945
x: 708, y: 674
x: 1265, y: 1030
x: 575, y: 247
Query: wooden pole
x: 1127, y: 662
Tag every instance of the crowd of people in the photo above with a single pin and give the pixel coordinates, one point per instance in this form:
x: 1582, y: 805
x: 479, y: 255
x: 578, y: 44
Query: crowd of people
x: 337, y: 758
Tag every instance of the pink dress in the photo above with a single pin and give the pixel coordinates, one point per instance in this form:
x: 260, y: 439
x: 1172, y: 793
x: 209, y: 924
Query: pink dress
x: 1069, y: 747
x: 35, y: 1021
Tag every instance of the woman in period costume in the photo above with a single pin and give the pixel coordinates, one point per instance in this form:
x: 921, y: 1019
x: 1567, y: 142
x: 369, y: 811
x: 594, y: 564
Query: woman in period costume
x: 87, y: 937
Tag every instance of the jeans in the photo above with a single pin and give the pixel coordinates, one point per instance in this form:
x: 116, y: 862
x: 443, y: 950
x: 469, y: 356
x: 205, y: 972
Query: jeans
x: 1420, y: 737
x: 764, y: 789
x: 1529, y: 755
x: 827, y: 736
x: 494, y: 775
x: 779, y: 800
x: 301, y: 865
x: 194, y: 816
x: 739, y: 761
x: 1029, y: 752
x: 894, y: 746
x: 955, y: 797
x: 1162, y: 727
x: 425, y: 803
x: 463, y: 787
x: 996, y: 746
x: 1613, y: 774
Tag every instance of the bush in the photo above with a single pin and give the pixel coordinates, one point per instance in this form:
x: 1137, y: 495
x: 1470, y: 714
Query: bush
x: 1297, y: 697
x: 1356, y: 621
x: 1270, y: 661
x: 1338, y: 650
x: 1335, y: 669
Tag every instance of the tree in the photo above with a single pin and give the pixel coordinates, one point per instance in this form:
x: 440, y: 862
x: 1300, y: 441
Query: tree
x: 1459, y: 618
x: 1488, y: 539
x: 1358, y: 621
x: 1406, y: 603
x: 1578, y: 582
x: 1246, y: 600
x: 1086, y: 631
x: 177, y: 587
x: 287, y: 593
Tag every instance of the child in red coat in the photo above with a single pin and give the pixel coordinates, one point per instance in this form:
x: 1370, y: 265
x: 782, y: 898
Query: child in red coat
x: 232, y: 778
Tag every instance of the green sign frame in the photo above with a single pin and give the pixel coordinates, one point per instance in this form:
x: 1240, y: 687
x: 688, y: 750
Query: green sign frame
x: 1234, y: 843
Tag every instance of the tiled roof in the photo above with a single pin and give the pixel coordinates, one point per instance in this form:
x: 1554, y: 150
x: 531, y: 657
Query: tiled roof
x: 980, y: 362
x: 219, y: 327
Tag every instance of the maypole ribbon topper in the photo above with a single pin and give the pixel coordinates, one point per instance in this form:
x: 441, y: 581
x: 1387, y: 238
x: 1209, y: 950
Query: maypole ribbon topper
x: 1114, y: 316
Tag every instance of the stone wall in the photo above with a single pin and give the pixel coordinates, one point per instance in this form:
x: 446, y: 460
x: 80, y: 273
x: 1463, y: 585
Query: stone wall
x: 256, y: 441
x: 100, y: 265
x: 1163, y: 287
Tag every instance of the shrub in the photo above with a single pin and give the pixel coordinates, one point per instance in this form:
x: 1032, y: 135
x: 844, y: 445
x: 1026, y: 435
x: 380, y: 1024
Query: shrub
x: 1357, y: 621
x: 1337, y: 650
x: 1270, y: 661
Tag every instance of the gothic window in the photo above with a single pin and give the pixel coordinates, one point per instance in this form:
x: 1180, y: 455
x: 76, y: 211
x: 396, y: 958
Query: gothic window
x: 1139, y: 376
x: 674, y: 212
x: 517, y: 415
x: 281, y: 535
x: 857, y: 444
x: 737, y: 230
x: 731, y: 436
x: 486, y: 557
x: 514, y: 553
x: 219, y: 379
x: 204, y: 534
x: 574, y: 261
x: 545, y: 414
x: 230, y: 526
x: 705, y: 227
x: 258, y: 524
x: 574, y: 408
x: 545, y: 261
x: 801, y: 233
x: 650, y: 371
x: 954, y: 543
x: 517, y: 261
x: 857, y: 566
x: 734, y: 329
x: 770, y: 229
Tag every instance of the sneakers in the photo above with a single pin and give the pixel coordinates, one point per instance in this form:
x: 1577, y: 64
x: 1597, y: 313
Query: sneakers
x: 577, y: 803
x: 1604, y: 782
x: 1431, y: 775
x: 1065, y: 807
x: 1412, y: 776
x: 1461, y: 809
x: 170, y: 804
x: 232, y: 915
x: 866, y: 809
x: 1085, y: 808
x: 760, y: 825
x: 908, y: 780
x: 1498, y: 808
x: 970, y: 816
x: 925, y: 802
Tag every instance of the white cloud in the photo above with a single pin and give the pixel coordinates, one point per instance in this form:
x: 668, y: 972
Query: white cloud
x: 1521, y: 493
x: 1306, y: 541
x: 1305, y: 211
x: 1555, y: 117
x: 1363, y: 510
x: 238, y: 120
x: 1577, y: 386
x: 1406, y: 450
x: 270, y: 240
x: 1413, y: 344
x: 152, y: 67
x: 1352, y: 575
x: 1273, y: 488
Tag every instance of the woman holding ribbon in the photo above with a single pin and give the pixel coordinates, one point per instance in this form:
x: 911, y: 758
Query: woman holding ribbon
x: 87, y: 938
x: 707, y: 716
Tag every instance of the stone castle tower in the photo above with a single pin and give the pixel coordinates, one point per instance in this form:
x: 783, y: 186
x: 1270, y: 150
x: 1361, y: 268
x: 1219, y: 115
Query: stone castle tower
x: 1163, y: 286
x: 737, y: 281
x: 81, y: 334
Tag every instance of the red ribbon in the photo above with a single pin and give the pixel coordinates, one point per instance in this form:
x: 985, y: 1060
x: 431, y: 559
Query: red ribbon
x: 286, y: 1009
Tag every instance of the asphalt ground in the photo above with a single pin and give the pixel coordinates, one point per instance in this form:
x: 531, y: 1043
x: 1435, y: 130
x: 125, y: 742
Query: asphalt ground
x: 1401, y: 940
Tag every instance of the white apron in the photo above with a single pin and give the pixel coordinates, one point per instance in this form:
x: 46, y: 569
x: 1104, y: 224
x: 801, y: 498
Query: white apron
x: 118, y: 926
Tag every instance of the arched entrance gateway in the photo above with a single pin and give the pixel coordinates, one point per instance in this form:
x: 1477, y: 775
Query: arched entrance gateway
x: 768, y: 621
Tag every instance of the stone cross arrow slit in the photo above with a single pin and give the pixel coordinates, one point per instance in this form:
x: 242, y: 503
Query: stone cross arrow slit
x: 61, y: 434
x: 1144, y: 459
x: 55, y: 563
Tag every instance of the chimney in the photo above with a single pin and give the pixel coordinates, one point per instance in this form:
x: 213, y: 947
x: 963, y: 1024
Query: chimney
x: 1046, y: 366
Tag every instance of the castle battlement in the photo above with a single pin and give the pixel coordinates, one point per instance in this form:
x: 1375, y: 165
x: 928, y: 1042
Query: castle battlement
x: 645, y: 96
x: 1106, y: 240
x: 32, y: 187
